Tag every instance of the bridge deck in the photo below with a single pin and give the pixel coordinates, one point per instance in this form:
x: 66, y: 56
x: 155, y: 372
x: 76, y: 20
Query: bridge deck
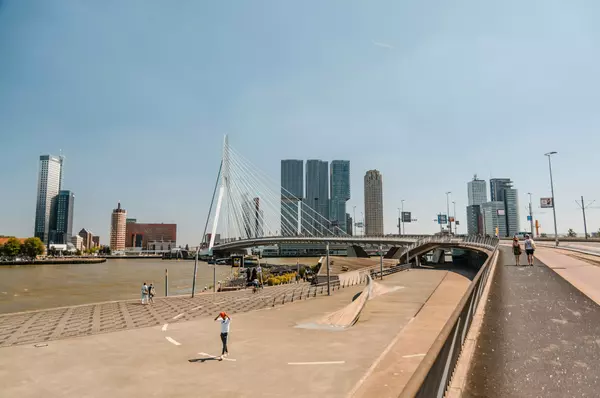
x: 540, y: 335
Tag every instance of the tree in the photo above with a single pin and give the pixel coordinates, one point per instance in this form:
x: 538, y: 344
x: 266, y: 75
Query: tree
x: 12, y: 247
x: 52, y: 251
x: 571, y: 233
x: 187, y: 248
x: 543, y: 235
x: 33, y: 247
x: 78, y: 252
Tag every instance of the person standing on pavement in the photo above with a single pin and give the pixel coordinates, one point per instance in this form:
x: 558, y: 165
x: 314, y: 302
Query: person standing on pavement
x: 144, y: 294
x: 517, y: 250
x: 529, y: 249
x: 151, y: 293
x: 225, y: 322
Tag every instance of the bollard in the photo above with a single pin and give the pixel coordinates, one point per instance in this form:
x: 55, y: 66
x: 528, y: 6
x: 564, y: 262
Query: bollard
x: 283, y: 299
x: 166, y: 283
x: 315, y: 295
x: 293, y: 296
x: 301, y: 291
x: 273, y: 301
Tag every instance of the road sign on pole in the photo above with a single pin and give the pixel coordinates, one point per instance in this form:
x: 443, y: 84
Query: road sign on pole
x: 442, y: 219
x: 406, y: 216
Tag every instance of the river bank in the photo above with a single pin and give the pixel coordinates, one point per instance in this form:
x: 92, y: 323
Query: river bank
x: 70, y: 260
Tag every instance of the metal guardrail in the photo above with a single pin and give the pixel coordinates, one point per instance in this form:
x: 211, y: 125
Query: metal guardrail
x: 432, y: 376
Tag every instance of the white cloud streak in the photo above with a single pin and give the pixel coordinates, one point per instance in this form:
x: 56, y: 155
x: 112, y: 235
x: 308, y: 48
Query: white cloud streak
x: 382, y: 45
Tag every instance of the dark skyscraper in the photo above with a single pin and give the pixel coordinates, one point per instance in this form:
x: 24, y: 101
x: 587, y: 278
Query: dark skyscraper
x: 61, y: 221
x: 292, y: 187
x: 497, y: 187
x: 339, y: 181
x: 317, y: 196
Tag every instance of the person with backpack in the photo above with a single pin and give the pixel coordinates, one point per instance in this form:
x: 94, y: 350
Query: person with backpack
x: 529, y: 249
x: 151, y: 293
x: 517, y: 250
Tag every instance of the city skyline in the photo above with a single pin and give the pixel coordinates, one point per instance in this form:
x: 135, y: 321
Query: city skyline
x: 450, y: 81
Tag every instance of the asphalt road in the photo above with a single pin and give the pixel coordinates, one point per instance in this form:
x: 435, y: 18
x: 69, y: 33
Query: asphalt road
x: 540, y: 337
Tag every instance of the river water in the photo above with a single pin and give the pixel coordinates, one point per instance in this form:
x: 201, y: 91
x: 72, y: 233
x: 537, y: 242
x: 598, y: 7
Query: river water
x: 33, y: 287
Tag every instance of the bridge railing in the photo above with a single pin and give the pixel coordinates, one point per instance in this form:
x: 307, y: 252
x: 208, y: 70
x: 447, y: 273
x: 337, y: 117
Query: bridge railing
x: 432, y: 376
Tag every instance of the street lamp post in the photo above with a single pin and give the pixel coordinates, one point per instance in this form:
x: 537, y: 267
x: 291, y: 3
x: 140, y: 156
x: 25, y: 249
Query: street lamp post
x: 454, y: 215
x: 354, y: 220
x: 549, y: 154
x: 399, y: 223
x: 448, y: 211
x: 403, y: 227
x: 530, y: 215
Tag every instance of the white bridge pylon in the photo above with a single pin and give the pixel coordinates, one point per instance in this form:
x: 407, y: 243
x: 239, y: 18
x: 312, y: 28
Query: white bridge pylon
x: 251, y: 205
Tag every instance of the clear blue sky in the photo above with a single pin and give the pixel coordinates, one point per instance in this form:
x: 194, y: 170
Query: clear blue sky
x: 138, y: 95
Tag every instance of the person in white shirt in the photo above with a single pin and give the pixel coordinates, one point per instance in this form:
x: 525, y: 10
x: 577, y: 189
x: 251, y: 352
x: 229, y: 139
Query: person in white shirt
x: 225, y: 322
x: 529, y: 249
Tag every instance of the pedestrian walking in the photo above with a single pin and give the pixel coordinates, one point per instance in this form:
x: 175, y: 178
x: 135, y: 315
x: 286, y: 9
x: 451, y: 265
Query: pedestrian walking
x: 144, y: 294
x: 529, y: 249
x: 517, y: 250
x: 225, y: 322
x: 151, y: 293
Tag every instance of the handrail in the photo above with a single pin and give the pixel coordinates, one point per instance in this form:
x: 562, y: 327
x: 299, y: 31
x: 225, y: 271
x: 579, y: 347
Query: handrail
x: 432, y: 376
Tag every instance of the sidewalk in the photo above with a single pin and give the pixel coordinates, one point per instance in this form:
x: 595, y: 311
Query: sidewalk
x: 270, y: 356
x: 540, y: 334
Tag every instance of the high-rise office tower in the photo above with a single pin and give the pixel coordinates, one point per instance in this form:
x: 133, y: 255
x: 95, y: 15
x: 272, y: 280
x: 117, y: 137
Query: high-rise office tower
x: 511, y: 206
x: 497, y: 187
x: 494, y: 217
x: 349, y: 222
x: 373, y: 203
x: 292, y: 188
x: 252, y: 217
x: 474, y: 220
x: 61, y: 225
x: 315, y: 214
x: 501, y: 190
x: 49, y: 185
x: 339, y: 180
x: 118, y: 228
x: 477, y: 194
x: 477, y: 191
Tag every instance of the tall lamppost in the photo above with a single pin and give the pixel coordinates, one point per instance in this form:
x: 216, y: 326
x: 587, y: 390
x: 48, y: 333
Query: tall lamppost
x: 403, y: 227
x: 399, y: 223
x: 354, y: 220
x: 454, y: 215
x: 549, y: 154
x: 530, y: 215
x: 448, y: 211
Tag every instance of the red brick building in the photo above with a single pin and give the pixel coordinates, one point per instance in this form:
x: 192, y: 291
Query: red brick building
x: 141, y: 235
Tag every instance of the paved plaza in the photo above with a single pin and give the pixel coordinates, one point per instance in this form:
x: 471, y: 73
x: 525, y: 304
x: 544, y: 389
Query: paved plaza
x: 269, y: 355
x: 60, y: 323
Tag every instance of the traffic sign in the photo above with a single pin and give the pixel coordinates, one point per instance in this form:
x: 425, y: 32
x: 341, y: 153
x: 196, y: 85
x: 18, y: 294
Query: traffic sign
x: 528, y: 218
x: 406, y: 216
x: 442, y: 219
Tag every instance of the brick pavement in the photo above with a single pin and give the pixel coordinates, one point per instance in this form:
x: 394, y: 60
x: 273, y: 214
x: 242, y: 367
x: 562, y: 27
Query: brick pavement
x: 84, y: 320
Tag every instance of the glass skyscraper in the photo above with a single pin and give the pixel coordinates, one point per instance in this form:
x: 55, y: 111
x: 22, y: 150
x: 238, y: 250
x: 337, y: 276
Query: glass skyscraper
x: 61, y: 229
x: 292, y: 188
x: 49, y: 185
x: 477, y: 194
x: 315, y: 214
x: 339, y: 180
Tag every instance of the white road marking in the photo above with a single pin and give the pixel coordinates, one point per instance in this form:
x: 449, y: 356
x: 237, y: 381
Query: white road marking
x: 220, y: 302
x: 164, y: 328
x: 178, y: 316
x: 170, y: 340
x: 413, y: 356
x: 378, y: 360
x: 212, y: 356
x: 241, y: 299
x: 318, y: 363
x: 196, y: 308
